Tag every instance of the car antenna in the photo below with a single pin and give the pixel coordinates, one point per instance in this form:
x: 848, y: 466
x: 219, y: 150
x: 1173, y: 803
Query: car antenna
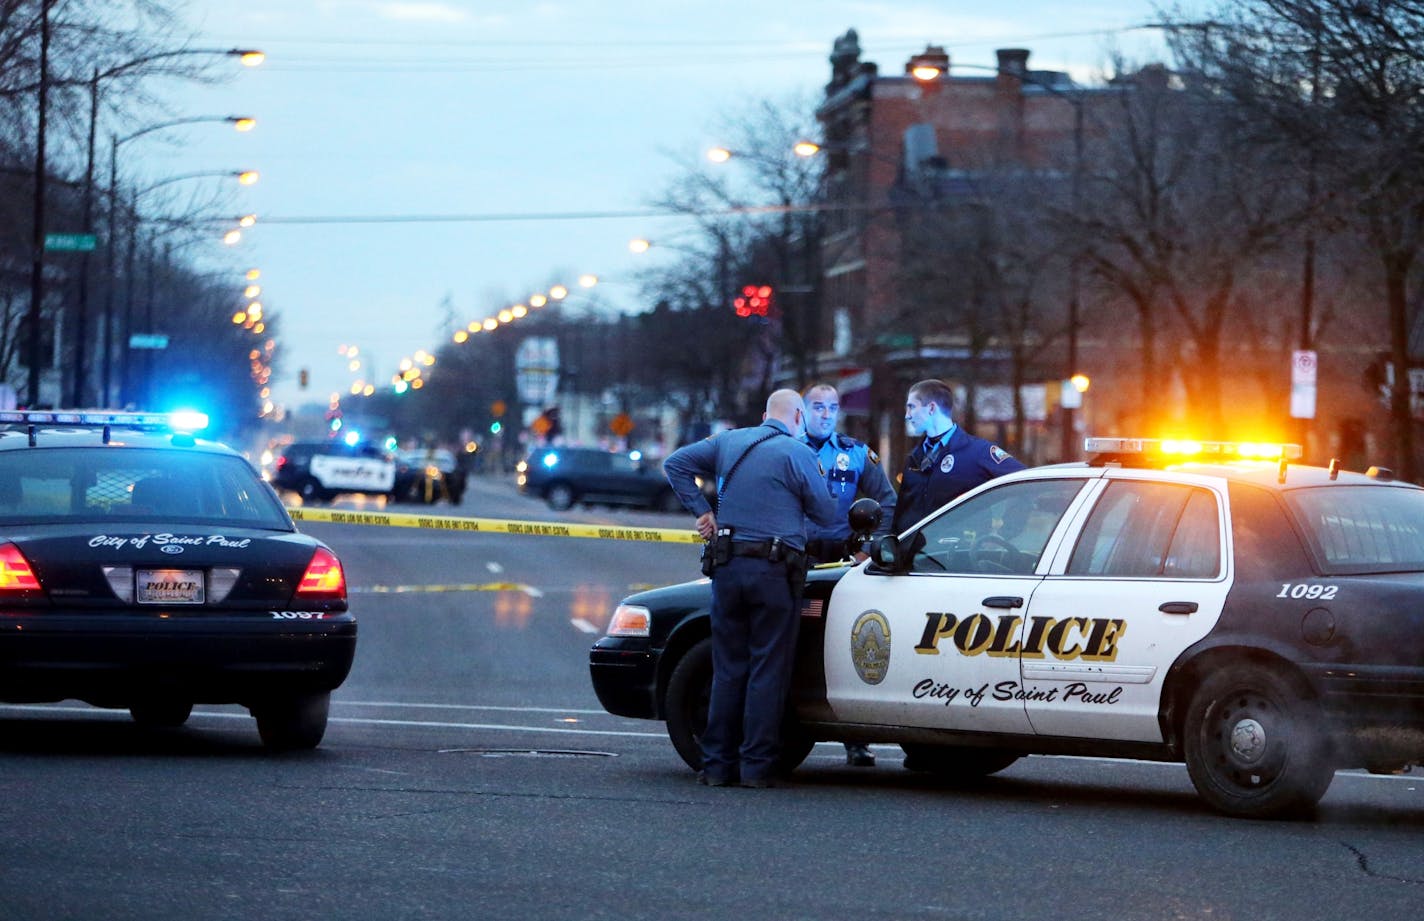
x: 31, y: 431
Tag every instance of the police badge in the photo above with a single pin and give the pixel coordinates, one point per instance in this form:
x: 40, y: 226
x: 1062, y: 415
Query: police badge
x: 870, y: 646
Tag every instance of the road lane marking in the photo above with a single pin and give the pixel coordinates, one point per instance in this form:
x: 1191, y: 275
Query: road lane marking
x: 529, y: 590
x: 354, y: 720
x: 585, y: 626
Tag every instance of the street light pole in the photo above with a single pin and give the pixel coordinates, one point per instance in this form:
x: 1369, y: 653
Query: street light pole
x: 32, y: 345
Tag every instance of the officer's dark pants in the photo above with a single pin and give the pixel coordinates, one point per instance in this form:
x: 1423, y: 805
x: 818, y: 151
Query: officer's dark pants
x: 754, y: 627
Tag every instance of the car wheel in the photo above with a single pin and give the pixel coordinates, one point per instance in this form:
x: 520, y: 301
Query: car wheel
x: 560, y: 497
x: 1253, y: 744
x: 956, y: 762
x: 689, y: 691
x: 669, y: 502
x: 310, y: 490
x: 161, y: 713
x: 291, y: 723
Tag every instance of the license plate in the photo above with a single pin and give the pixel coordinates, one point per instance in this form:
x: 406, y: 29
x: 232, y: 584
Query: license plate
x: 170, y: 586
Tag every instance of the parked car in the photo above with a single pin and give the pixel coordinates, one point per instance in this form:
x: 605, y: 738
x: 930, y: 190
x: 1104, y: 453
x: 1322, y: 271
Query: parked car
x: 149, y: 570
x: 320, y: 470
x: 562, y: 476
x: 1258, y: 620
x: 428, y: 475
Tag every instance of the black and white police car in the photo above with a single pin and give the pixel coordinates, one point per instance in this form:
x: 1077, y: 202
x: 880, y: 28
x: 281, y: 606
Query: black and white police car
x: 147, y: 570
x: 1210, y: 603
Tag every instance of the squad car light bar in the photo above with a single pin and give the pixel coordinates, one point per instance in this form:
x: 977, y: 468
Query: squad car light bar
x: 1167, y: 450
x: 176, y: 421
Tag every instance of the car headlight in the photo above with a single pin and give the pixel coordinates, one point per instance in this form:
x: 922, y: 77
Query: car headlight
x: 630, y: 620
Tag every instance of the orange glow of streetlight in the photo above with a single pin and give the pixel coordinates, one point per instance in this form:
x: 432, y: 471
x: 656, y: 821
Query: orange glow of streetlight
x: 368, y: 390
x: 251, y: 58
x: 926, y: 72
x: 538, y: 300
x: 505, y: 316
x: 719, y: 154
x: 248, y: 177
x: 247, y: 220
x: 587, y: 281
x: 251, y: 291
x: 639, y: 245
x: 491, y: 323
x: 461, y: 336
x: 806, y: 148
x: 254, y: 274
x: 239, y: 318
x: 474, y: 326
x: 519, y: 310
x: 244, y: 123
x: 232, y: 237
x: 558, y: 292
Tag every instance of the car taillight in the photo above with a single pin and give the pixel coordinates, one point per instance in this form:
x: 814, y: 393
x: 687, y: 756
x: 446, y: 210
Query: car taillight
x: 323, y: 578
x: 15, y: 572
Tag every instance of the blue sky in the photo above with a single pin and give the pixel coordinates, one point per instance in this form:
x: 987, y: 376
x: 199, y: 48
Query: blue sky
x: 458, y: 107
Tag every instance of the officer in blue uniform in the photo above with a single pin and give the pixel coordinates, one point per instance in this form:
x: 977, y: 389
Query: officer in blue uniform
x: 948, y: 462
x: 852, y: 470
x: 768, y: 485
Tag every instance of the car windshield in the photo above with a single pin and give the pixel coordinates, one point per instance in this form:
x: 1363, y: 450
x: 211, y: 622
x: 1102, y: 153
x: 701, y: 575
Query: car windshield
x: 1363, y: 529
x: 134, y: 484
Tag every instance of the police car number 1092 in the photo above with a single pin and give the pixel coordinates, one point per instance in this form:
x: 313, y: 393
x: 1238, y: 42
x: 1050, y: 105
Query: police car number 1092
x: 1145, y: 604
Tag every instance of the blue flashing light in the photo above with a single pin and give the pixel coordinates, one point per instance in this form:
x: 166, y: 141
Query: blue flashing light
x: 336, y: 424
x: 390, y: 443
x: 351, y: 438
x: 635, y: 456
x: 551, y: 459
x: 187, y: 420
x: 495, y: 427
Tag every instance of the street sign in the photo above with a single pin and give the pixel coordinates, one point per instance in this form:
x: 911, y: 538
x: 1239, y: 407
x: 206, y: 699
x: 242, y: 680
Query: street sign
x: 70, y: 242
x: 148, y: 341
x: 1303, y: 376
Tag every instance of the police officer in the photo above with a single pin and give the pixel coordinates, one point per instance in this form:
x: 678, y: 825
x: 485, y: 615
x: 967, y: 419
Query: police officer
x: 947, y: 462
x: 768, y: 486
x: 852, y: 470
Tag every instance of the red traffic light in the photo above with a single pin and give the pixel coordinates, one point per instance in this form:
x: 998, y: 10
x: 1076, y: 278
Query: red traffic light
x: 755, y: 300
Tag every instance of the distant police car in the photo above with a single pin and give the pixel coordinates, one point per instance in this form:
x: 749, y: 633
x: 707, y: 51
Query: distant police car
x: 146, y: 570
x: 320, y: 470
x: 1261, y: 621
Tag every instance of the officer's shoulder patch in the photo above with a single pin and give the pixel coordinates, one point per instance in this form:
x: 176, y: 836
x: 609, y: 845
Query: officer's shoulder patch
x: 998, y: 454
x: 873, y: 457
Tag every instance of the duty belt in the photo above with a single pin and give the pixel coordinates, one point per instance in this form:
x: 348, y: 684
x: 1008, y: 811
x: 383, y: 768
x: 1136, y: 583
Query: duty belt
x: 762, y: 549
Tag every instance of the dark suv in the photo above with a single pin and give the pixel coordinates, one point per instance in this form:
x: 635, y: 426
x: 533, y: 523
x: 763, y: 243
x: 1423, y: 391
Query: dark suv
x: 563, y: 476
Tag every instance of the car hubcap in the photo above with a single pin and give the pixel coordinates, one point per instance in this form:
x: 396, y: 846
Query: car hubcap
x: 1248, y: 741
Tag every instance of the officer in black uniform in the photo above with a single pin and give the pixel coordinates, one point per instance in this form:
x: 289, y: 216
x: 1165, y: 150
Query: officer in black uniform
x: 768, y: 485
x: 852, y: 470
x: 948, y: 462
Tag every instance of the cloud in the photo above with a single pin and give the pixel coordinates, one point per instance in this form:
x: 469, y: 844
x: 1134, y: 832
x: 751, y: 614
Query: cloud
x: 420, y: 12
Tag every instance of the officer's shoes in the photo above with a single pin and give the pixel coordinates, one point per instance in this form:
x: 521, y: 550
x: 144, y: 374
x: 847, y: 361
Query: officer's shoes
x: 712, y: 780
x: 859, y: 756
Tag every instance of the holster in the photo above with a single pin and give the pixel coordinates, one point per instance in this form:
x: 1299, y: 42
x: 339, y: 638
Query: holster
x: 717, y: 551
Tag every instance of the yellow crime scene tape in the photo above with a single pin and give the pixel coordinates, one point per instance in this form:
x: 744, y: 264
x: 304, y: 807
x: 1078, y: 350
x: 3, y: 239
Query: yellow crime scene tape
x: 496, y: 526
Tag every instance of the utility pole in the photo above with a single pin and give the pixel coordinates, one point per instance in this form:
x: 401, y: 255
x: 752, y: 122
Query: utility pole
x: 33, y: 341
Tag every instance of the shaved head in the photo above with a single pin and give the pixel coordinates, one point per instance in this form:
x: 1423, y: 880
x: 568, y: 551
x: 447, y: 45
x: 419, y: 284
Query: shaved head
x: 786, y: 407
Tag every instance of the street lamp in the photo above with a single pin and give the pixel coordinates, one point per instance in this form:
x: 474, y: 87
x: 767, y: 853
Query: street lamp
x: 241, y: 123
x: 248, y: 57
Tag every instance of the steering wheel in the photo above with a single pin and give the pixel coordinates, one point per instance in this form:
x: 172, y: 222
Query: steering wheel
x: 991, y: 542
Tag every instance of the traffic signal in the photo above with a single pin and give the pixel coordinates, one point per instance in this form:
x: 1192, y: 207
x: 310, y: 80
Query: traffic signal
x: 303, y: 378
x: 755, y: 301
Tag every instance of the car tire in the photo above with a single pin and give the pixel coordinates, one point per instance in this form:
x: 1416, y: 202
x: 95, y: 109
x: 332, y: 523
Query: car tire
x: 293, y: 723
x: 1254, y: 746
x: 310, y: 490
x: 167, y: 714
x: 560, y: 497
x: 960, y: 763
x: 689, y: 690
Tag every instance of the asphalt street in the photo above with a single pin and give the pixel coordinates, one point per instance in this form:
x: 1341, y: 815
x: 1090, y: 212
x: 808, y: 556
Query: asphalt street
x: 468, y: 771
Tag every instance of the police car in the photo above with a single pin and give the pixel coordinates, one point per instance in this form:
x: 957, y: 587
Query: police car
x: 1206, y: 603
x: 144, y: 569
x: 322, y: 470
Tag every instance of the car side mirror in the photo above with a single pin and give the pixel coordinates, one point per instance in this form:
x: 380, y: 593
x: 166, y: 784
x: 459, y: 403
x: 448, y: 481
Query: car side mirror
x: 887, y: 553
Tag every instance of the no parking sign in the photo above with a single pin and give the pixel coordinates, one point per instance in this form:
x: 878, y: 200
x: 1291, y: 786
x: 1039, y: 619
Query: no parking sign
x: 1303, y: 372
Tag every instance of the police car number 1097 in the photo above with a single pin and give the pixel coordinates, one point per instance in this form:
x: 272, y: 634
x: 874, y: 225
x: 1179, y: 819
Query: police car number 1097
x: 1144, y: 604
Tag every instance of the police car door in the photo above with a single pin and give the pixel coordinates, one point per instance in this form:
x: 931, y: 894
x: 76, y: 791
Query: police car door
x: 935, y: 645
x: 1145, y: 578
